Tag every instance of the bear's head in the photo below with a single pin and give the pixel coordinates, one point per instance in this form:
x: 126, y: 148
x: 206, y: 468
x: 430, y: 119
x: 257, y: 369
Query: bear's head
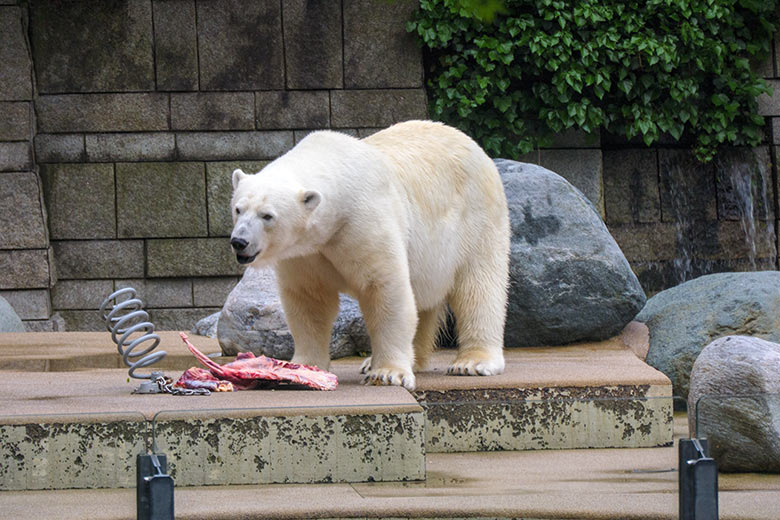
x: 271, y: 217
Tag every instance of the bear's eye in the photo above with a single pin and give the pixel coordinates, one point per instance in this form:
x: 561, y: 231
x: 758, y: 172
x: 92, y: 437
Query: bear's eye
x: 267, y: 217
x: 238, y: 211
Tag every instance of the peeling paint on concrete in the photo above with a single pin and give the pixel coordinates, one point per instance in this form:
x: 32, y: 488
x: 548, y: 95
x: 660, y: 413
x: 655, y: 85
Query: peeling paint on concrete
x: 73, y: 455
x: 216, y: 451
x: 627, y: 416
x: 294, y: 449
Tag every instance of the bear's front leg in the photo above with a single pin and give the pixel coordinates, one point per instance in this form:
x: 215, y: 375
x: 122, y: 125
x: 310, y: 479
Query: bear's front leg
x: 391, y: 319
x: 310, y: 309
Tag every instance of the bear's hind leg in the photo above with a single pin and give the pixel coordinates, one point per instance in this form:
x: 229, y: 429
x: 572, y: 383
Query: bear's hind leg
x: 479, y: 304
x: 429, y: 324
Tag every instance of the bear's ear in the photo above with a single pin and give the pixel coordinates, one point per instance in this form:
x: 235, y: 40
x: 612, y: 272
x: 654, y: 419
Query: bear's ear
x: 311, y: 199
x: 237, y: 176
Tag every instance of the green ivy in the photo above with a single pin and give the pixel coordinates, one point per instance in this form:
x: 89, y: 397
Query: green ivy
x: 683, y: 68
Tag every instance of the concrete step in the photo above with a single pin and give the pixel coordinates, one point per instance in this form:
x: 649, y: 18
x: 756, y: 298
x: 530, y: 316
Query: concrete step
x: 62, y: 427
x: 83, y: 429
x: 608, y: 484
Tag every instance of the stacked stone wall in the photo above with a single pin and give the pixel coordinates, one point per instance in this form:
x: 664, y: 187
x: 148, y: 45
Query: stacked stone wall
x: 127, y: 117
x: 26, y: 266
x: 143, y: 108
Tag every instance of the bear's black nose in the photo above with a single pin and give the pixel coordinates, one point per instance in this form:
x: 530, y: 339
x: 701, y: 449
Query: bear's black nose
x: 238, y: 243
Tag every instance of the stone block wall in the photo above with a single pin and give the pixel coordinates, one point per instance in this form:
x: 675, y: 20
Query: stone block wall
x: 26, y: 265
x: 134, y: 113
x: 121, y: 121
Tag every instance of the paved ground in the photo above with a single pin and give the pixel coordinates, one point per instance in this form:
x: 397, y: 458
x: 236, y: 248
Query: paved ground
x: 567, y: 484
x: 570, y: 484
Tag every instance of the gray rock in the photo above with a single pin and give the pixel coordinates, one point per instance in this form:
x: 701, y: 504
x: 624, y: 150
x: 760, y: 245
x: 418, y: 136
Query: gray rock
x: 684, y: 319
x: 735, y: 388
x: 252, y: 320
x: 9, y: 320
x: 207, y: 326
x: 569, y: 281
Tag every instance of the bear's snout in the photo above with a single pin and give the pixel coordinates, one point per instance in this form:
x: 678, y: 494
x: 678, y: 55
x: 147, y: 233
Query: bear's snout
x: 238, y: 244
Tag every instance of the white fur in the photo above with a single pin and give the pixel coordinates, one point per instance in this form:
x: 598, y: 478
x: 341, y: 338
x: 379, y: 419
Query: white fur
x: 407, y: 221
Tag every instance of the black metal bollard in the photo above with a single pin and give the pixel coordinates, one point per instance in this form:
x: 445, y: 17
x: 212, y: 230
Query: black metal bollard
x: 698, y: 478
x: 154, y: 488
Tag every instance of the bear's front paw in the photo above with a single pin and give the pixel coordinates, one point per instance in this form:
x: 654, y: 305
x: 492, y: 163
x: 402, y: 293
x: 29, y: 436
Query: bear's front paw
x: 476, y: 363
x: 365, y: 367
x: 390, y: 376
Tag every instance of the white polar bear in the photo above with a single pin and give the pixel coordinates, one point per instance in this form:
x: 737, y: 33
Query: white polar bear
x: 406, y: 221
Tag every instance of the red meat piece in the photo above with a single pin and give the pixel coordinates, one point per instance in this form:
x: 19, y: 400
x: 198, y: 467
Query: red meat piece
x: 196, y: 378
x: 247, y: 371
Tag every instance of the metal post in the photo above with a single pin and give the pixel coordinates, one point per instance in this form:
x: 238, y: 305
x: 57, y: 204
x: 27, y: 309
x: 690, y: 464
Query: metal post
x: 154, y: 488
x: 698, y: 480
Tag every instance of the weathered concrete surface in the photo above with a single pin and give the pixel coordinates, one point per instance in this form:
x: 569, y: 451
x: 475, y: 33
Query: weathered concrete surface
x: 591, y: 395
x: 233, y: 438
x: 596, y: 484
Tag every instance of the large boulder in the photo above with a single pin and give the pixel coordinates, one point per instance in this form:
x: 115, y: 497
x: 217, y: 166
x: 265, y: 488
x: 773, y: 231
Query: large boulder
x: 734, y: 401
x: 252, y: 320
x: 684, y: 319
x: 569, y: 280
x: 9, y: 320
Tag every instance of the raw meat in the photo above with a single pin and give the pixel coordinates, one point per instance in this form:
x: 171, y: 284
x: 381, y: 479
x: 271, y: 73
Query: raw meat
x: 196, y: 378
x: 248, y: 371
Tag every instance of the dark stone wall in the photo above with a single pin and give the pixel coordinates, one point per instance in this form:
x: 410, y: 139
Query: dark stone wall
x: 128, y: 116
x: 121, y: 121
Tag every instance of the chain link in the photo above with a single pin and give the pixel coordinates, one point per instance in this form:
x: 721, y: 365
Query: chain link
x: 167, y: 387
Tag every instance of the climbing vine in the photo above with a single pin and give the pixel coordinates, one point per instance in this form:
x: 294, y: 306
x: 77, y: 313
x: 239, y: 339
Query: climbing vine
x: 681, y: 68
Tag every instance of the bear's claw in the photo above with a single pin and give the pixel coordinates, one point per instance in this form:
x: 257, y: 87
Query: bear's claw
x: 390, y: 376
x: 365, y: 367
x: 473, y: 367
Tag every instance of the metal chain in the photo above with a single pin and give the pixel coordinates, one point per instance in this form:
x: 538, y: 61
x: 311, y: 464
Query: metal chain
x: 168, y: 388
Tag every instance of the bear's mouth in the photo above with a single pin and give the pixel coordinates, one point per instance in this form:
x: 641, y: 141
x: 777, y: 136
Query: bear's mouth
x: 245, y: 259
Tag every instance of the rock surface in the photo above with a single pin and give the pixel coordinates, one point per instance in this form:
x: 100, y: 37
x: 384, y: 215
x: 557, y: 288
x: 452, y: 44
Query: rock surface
x: 9, y: 320
x: 743, y: 430
x: 569, y: 280
x: 207, y: 326
x: 252, y: 320
x: 684, y: 319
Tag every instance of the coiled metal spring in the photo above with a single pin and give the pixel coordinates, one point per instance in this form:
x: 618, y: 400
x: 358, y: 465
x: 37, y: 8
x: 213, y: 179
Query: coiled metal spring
x: 126, y: 318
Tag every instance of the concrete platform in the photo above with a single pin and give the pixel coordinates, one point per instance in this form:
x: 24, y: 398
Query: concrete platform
x: 68, y: 421
x: 599, y: 484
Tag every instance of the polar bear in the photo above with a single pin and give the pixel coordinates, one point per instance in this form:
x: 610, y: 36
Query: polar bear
x: 407, y: 221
